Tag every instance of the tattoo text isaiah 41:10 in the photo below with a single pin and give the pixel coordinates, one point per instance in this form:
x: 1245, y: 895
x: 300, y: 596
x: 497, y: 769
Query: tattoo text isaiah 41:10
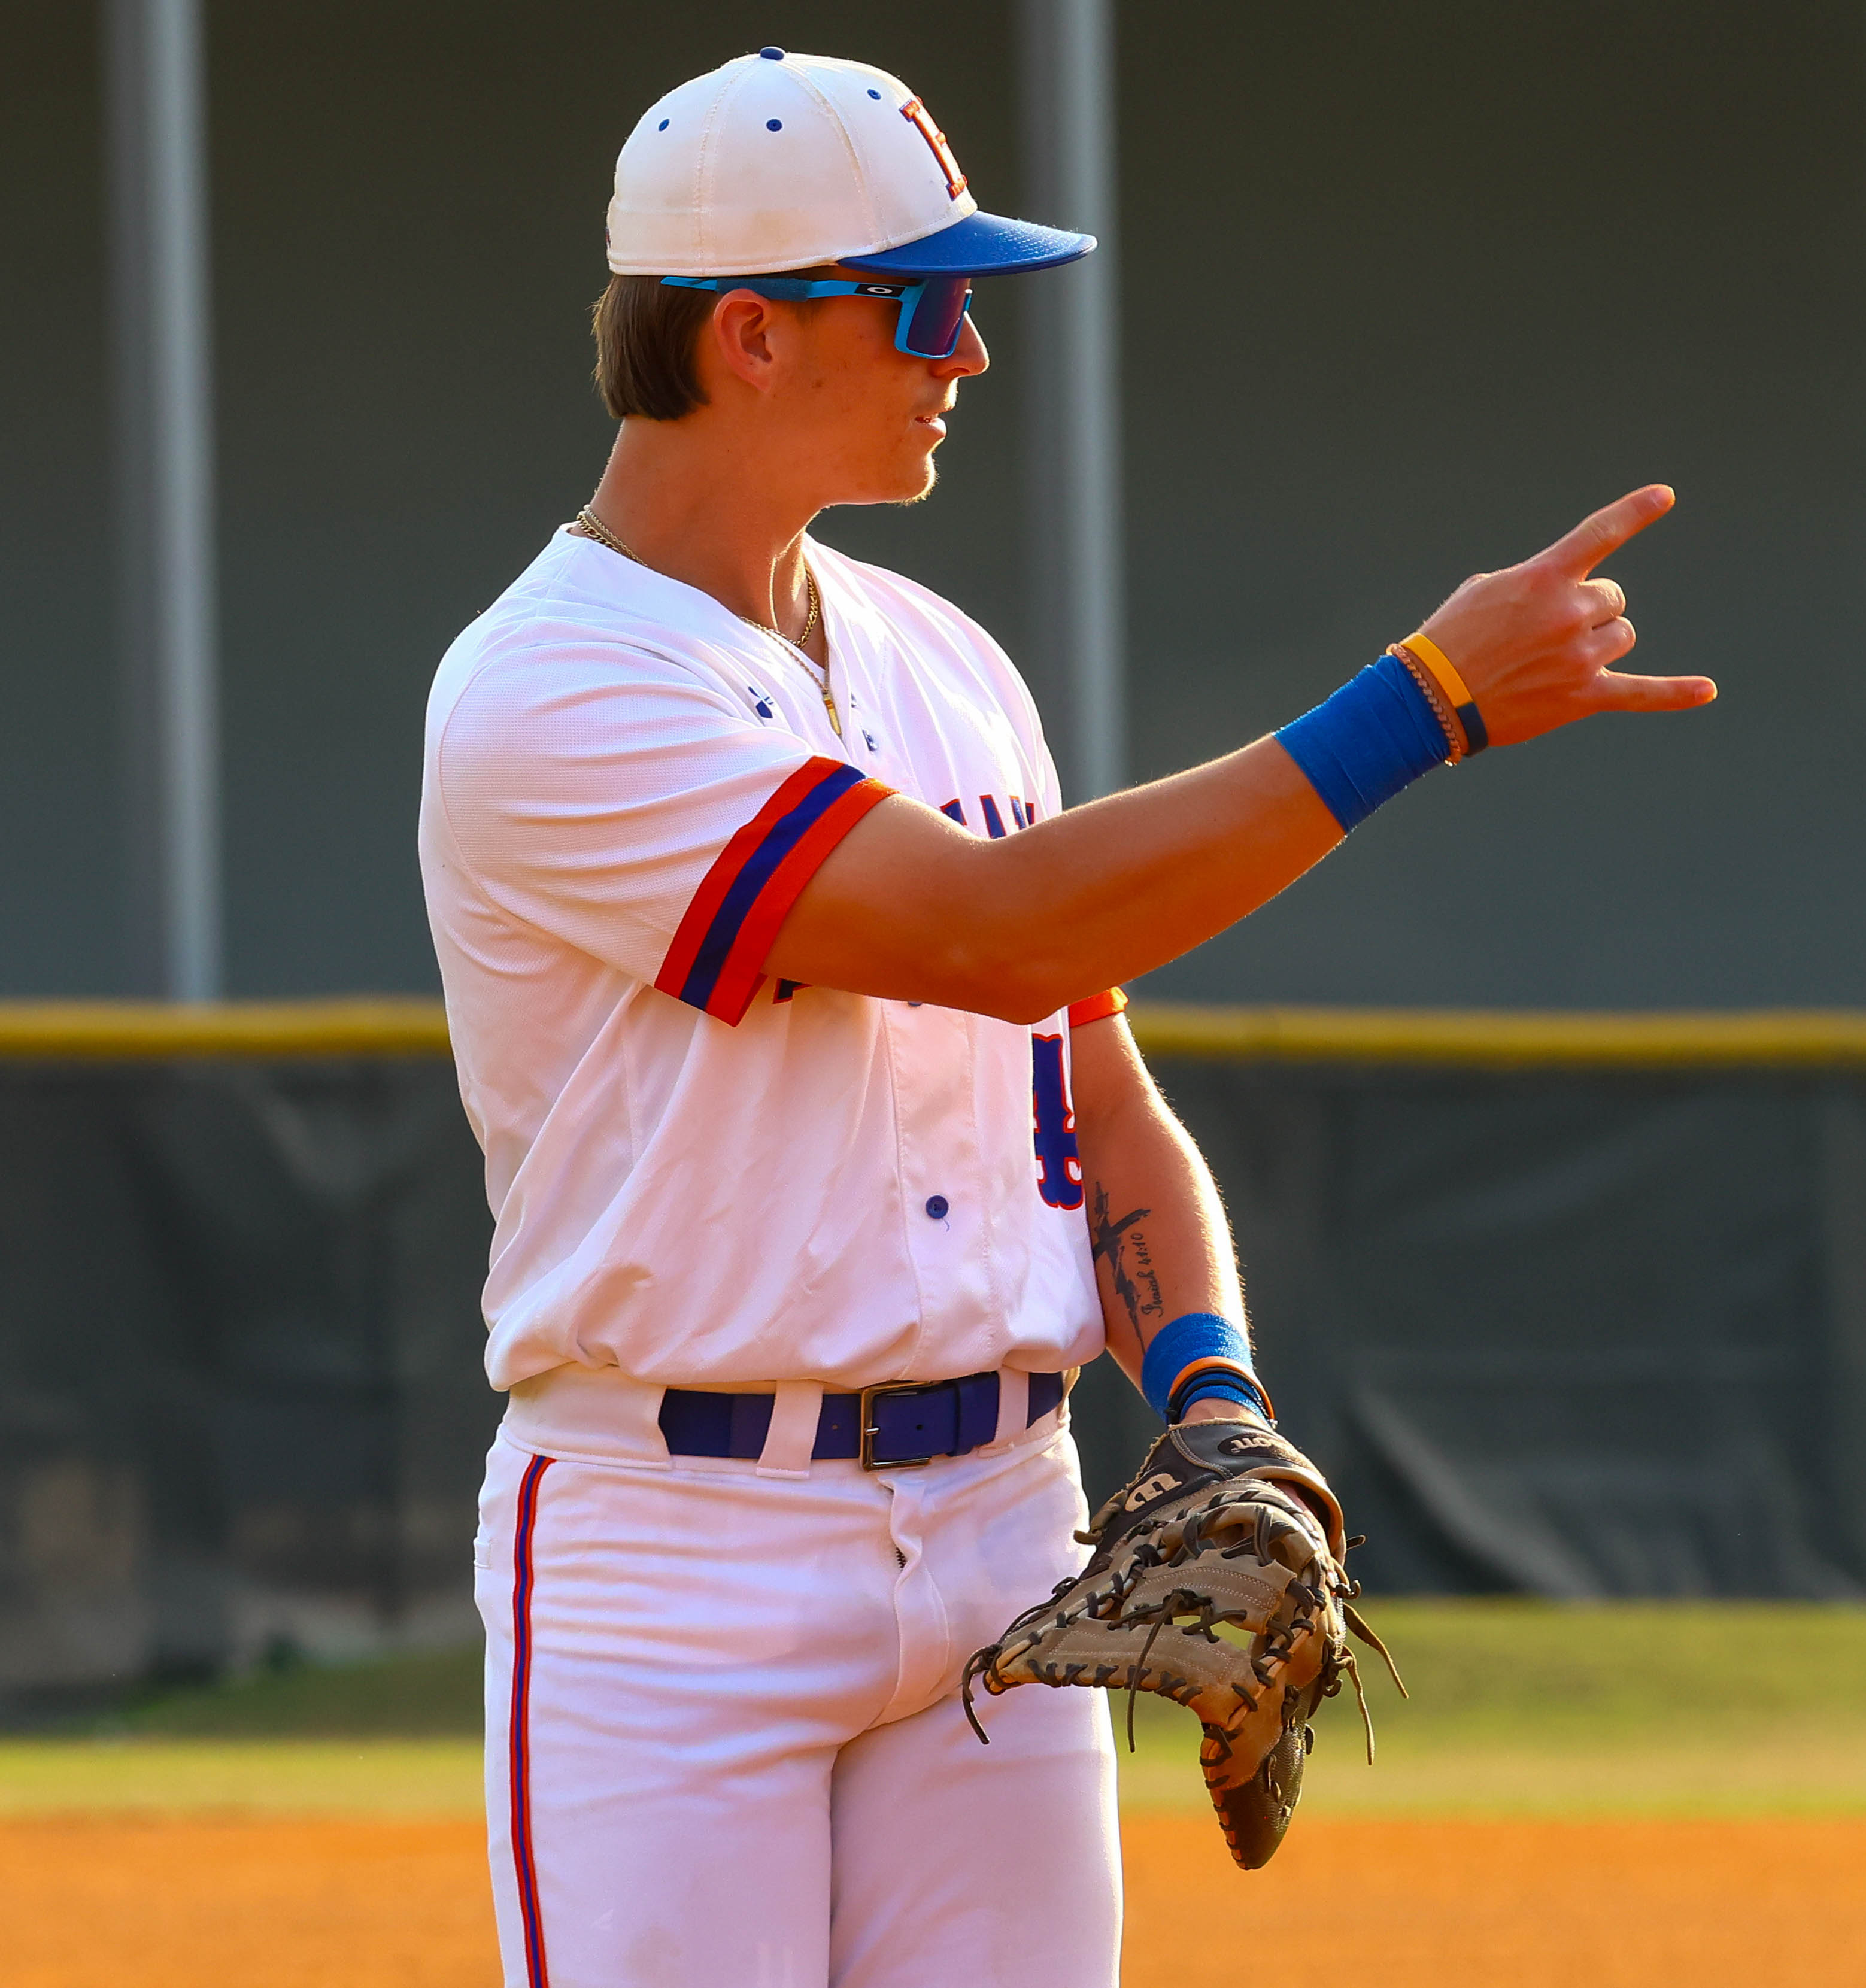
x: 1118, y: 1241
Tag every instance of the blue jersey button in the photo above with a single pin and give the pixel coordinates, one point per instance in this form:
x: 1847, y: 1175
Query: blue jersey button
x: 938, y: 1207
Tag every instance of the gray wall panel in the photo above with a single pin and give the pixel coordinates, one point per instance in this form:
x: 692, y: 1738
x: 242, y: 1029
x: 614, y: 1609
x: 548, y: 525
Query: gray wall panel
x: 1409, y: 289
x: 60, y: 907
x: 1405, y: 289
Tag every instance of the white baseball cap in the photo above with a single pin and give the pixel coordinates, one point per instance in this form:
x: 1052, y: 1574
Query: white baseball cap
x: 778, y: 161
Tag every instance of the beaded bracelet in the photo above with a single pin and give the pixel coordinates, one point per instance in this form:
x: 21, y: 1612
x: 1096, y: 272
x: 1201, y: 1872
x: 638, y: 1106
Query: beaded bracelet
x: 1441, y: 704
x: 1420, y: 653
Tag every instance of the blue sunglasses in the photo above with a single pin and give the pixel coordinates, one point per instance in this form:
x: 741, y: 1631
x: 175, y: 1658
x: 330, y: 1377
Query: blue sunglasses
x: 932, y: 310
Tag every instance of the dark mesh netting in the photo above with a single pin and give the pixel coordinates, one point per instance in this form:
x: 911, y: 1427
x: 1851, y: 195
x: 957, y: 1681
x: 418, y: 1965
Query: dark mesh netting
x: 1573, y: 1334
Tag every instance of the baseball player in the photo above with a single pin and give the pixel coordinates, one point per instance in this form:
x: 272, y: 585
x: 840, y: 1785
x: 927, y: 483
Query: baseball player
x: 782, y: 989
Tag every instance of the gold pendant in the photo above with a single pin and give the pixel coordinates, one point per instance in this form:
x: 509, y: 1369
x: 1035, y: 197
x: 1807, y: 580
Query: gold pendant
x: 828, y: 704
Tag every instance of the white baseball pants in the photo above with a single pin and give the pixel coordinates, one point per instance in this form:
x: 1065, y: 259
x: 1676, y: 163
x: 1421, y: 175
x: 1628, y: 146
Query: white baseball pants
x: 724, y: 1745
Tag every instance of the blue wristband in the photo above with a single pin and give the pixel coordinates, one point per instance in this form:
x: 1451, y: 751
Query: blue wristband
x: 1377, y: 734
x: 1227, y: 1387
x: 1193, y: 1335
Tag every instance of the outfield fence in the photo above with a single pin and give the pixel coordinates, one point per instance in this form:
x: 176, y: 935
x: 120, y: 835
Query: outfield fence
x: 1569, y: 1304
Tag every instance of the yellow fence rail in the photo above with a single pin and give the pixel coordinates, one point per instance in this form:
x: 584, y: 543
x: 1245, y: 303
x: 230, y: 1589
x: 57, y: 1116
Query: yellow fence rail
x: 138, y: 1031
x: 1490, y: 1039
x: 1504, y: 1039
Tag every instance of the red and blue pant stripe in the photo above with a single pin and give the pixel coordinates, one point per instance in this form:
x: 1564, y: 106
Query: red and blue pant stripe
x: 524, y: 1857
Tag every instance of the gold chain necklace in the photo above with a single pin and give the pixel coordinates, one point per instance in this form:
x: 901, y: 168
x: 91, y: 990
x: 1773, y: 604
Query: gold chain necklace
x: 603, y: 535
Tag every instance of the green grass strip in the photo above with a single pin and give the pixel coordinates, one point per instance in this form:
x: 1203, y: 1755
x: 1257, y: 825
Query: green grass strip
x: 1517, y: 1707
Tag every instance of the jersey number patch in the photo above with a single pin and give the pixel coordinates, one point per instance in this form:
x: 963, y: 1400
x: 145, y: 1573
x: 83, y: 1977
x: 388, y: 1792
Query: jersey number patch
x: 1058, y: 1158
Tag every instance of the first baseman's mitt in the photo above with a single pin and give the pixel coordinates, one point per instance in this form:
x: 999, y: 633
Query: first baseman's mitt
x: 1225, y: 1524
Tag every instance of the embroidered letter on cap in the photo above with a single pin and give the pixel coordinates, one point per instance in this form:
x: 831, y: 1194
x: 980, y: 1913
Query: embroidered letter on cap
x: 921, y: 118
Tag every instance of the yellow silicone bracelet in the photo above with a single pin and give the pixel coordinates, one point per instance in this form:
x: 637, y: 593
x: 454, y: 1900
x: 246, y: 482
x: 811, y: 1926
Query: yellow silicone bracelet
x: 1435, y: 660
x: 1476, y: 736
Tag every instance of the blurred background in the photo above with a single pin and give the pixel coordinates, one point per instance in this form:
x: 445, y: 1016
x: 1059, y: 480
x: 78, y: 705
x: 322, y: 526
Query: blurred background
x: 295, y: 378
x: 1539, y: 1109
x: 1402, y: 291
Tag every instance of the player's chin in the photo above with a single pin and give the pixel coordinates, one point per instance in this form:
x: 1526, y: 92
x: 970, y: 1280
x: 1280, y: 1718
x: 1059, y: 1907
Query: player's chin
x: 898, y: 475
x: 923, y: 486
x: 917, y: 479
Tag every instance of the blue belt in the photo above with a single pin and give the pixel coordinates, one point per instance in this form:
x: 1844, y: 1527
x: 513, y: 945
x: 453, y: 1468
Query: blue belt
x: 904, y: 1423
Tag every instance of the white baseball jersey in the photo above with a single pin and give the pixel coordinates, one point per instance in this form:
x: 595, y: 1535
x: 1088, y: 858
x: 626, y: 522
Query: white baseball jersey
x: 701, y: 1175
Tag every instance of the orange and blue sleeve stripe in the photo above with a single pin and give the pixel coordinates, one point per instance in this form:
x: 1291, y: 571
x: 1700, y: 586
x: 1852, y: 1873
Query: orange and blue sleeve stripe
x: 1097, y: 1007
x: 717, y: 960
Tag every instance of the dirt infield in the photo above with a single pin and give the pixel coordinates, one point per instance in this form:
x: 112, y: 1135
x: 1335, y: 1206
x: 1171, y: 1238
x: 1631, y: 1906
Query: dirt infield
x: 1455, y: 1903
x: 141, y: 1902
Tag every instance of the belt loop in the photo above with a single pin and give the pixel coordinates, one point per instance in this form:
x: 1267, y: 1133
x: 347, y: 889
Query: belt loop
x: 1013, y: 1404
x: 792, y: 1438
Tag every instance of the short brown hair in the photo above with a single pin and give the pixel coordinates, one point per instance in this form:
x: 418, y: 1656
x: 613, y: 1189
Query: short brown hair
x: 646, y: 331
x: 645, y: 334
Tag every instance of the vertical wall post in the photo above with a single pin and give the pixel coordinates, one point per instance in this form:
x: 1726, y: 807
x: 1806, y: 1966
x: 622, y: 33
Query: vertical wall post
x: 1077, y: 538
x: 163, y: 426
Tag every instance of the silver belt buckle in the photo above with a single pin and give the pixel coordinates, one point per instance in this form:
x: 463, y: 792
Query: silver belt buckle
x: 869, y: 1397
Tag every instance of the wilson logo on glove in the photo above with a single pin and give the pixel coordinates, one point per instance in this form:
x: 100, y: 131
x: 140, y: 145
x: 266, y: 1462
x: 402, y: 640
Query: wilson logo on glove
x: 1155, y: 1487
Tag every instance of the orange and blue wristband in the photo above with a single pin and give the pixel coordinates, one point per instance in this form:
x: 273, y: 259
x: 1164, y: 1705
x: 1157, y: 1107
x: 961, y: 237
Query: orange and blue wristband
x: 1197, y: 1354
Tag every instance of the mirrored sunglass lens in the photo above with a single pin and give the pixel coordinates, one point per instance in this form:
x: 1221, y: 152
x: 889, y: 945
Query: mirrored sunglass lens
x: 933, y: 329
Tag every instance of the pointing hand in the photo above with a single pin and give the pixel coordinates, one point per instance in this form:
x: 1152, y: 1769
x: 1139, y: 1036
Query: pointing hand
x: 1536, y: 643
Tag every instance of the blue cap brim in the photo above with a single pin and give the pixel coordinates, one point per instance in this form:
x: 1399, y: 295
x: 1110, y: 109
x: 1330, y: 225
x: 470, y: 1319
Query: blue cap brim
x: 982, y: 244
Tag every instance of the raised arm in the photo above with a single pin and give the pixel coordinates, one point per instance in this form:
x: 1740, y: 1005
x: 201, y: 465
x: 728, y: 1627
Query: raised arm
x: 909, y: 907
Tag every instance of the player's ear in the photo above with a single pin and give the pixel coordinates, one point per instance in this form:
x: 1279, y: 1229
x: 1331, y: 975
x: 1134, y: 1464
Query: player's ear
x: 745, y: 337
